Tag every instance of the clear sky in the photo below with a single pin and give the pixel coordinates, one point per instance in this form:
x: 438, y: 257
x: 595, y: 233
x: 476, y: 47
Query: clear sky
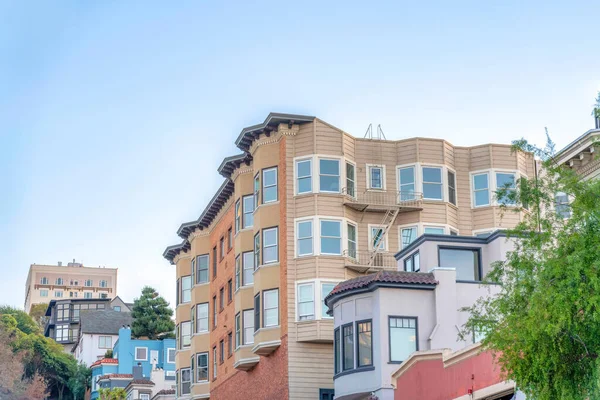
x: 114, y: 115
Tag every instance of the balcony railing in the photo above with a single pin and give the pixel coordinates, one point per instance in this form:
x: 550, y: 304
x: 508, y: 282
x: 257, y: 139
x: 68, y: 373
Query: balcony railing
x: 382, y: 199
x: 358, y: 260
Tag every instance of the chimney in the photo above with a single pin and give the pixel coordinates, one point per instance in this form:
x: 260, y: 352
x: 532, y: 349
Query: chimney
x: 138, y: 372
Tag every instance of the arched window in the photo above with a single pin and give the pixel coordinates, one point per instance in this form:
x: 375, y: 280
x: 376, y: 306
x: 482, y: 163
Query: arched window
x: 89, y: 282
x: 44, y: 281
x: 103, y: 284
x: 59, y: 281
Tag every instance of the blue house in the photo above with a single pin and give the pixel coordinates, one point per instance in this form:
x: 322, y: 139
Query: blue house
x: 135, y: 359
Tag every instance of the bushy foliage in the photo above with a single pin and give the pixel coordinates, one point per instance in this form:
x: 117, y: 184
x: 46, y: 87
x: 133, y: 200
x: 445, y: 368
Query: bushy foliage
x: 151, y: 315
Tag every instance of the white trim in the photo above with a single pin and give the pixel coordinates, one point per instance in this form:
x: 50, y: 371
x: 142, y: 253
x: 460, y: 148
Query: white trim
x: 312, y: 174
x: 330, y: 158
x: 406, y: 226
x: 385, y: 237
x: 140, y: 359
x: 368, y: 176
x: 492, y: 184
x: 297, y: 222
x: 444, y: 227
x: 317, y: 285
x: 340, y: 222
x: 262, y: 186
x: 346, y: 177
x: 443, y: 182
x: 317, y: 234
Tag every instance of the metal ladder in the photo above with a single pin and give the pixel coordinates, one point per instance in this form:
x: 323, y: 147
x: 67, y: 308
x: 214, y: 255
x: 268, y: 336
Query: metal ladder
x: 387, y: 222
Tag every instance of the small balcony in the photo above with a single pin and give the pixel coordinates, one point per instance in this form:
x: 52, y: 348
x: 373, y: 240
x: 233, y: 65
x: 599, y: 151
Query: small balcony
x: 359, y: 261
x: 383, y: 200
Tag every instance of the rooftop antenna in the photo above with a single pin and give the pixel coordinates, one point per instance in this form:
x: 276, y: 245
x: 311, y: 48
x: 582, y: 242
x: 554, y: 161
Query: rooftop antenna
x: 378, y: 135
x: 369, y: 132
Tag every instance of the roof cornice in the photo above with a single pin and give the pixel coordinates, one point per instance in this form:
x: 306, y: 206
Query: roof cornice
x: 251, y: 133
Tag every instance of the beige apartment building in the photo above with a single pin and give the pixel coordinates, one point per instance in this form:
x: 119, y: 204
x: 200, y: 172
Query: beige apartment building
x: 58, y: 282
x: 304, y: 207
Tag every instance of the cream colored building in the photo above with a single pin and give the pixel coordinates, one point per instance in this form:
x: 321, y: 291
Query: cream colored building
x: 302, y: 208
x: 59, y: 282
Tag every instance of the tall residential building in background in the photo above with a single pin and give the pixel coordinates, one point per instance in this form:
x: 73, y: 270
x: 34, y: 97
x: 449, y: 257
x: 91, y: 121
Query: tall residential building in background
x: 56, y: 282
x: 302, y: 208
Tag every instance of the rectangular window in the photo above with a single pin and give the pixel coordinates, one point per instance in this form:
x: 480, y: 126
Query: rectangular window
x: 171, y: 356
x: 306, y: 301
x: 377, y: 238
x: 375, y: 178
x: 451, y: 187
x: 62, y: 312
x: 89, y: 283
x: 562, y: 205
x: 238, y: 272
x: 229, y: 344
x: 303, y: 176
x: 432, y: 230
x: 248, y: 217
x: 58, y: 294
x: 271, y: 307
x: 481, y: 190
x: 326, y: 288
x: 256, y: 312
x: 507, y: 182
x: 229, y: 291
x: 214, y: 312
x: 214, y: 262
x: 202, y: 268
x: 238, y: 216
x: 412, y: 263
x: 193, y: 269
x: 432, y: 183
x: 141, y: 354
x: 269, y: 185
x: 103, y: 284
x: 329, y: 176
x: 202, y: 318
x: 348, y: 347
x: 222, y: 298
x: 248, y: 320
x: 331, y: 237
x: 144, y: 396
x: 238, y: 330
x: 214, y: 363
x: 248, y: 268
x: 364, y: 344
x: 304, y: 241
x: 221, y: 352
x: 186, y: 334
x: 406, y: 183
x: 186, y: 289
x: 351, y: 240
x: 403, y: 338
x: 222, y: 247
x: 186, y: 381
x: 256, y: 190
x: 44, y: 293
x: 270, y: 246
x: 464, y: 260
x: 256, y: 251
x: 202, y: 367
x: 62, y: 333
x: 336, y: 350
x: 229, y: 239
x: 350, y: 180
x: 408, y: 235
x: 105, y: 342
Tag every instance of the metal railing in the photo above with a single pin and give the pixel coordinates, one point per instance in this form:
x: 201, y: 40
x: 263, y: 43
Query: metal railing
x: 362, y: 258
x: 384, y: 197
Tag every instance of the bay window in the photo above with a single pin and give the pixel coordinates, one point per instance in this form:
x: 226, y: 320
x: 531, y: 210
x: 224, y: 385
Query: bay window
x: 347, y: 347
x: 336, y: 351
x: 248, y: 206
x: 326, y: 288
x: 331, y: 237
x: 248, y: 321
x: 481, y: 190
x: 202, y: 318
x: 256, y: 190
x: 364, y: 343
x: 269, y: 185
x: 304, y: 241
x: 406, y: 183
x: 506, y: 181
x: 238, y: 272
x: 377, y: 238
x: 186, y: 289
x: 270, y: 246
x: 329, y: 175
x: 434, y: 230
x: 432, y: 183
x: 351, y: 240
x: 186, y: 384
x: 238, y: 216
x: 270, y: 308
x: 238, y: 330
x: 412, y: 263
x: 403, y: 338
x: 451, y: 187
x: 185, y: 331
x: 303, y: 176
x: 202, y: 367
x: 247, y: 268
x: 466, y: 262
x: 408, y: 235
x: 256, y: 250
x: 350, y: 179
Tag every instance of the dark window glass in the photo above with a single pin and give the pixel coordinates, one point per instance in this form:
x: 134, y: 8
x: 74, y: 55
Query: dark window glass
x: 465, y: 261
x: 403, y: 338
x: 214, y: 262
x: 229, y: 290
x: 451, y: 188
x: 256, y: 312
x: 348, y: 347
x: 336, y: 350
x: 364, y: 343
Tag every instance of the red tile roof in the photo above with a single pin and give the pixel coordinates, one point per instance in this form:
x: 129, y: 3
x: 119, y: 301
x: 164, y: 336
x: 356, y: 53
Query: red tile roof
x: 396, y: 277
x: 105, y: 361
x: 165, y: 391
x: 116, y: 376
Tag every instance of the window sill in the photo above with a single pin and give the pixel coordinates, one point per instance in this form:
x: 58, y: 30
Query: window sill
x: 200, y: 333
x: 354, y: 371
x: 266, y: 328
x: 201, y: 284
x: 271, y: 203
x: 276, y: 264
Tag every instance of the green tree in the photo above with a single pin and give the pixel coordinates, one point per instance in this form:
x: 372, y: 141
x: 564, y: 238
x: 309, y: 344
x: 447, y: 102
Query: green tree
x: 544, y: 326
x: 38, y: 313
x: 24, y: 322
x: 596, y: 107
x: 112, y: 394
x: 151, y: 315
x: 108, y: 354
x: 79, y: 383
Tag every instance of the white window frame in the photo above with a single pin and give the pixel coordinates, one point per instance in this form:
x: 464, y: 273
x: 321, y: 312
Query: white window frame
x: 60, y: 281
x: 91, y: 283
x: 489, y: 189
x: 400, y: 237
x: 341, y: 237
x: 385, y: 237
x: 44, y: 280
x: 317, y: 295
x: 492, y: 185
x: 214, y: 351
x: 276, y: 245
x: 185, y: 346
x: 169, y: 356
x: 200, y: 306
x: 310, y: 176
x: 383, y: 176
x: 441, y: 183
x: 198, y: 367
x: 515, y: 175
x: 43, y: 292
x: 415, y: 180
x: 264, y: 186
x: 136, y: 354
x: 347, y: 178
x: 347, y: 237
x: 144, y: 396
x: 105, y: 338
x: 444, y: 228
x: 311, y: 237
x: 188, y: 290
x: 339, y: 174
x: 58, y: 294
x: 305, y: 317
x: 247, y: 280
x: 103, y: 284
x: 447, y: 193
x: 247, y: 330
x: 265, y: 309
x: 181, y: 381
x: 246, y: 213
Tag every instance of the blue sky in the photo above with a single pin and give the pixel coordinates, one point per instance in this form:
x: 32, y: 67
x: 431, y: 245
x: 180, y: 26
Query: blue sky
x: 115, y: 115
